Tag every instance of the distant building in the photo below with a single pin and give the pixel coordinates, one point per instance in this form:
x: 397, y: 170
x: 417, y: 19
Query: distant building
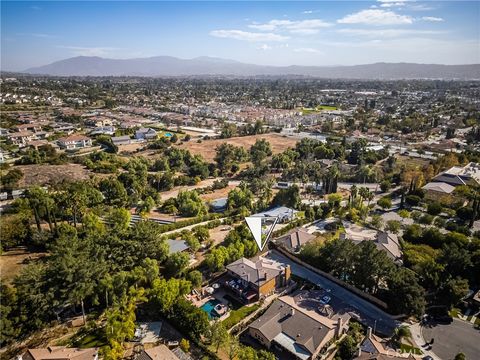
x: 21, y: 138
x: 219, y: 205
x: 384, y: 241
x: 146, y: 134
x: 121, y: 140
x: 258, y: 278
x: 175, y: 246
x: 295, y: 240
x: 60, y: 353
x: 283, y: 213
x: 460, y: 175
x: 438, y: 191
x: 299, y: 330
x: 103, y: 130
x: 73, y: 142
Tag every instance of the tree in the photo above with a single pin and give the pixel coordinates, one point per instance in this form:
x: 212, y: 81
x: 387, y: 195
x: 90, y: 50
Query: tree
x: 218, y: 335
x: 10, y: 179
x: 177, y: 263
x: 195, y: 277
x: 376, y: 221
x: 401, y: 333
x: 260, y: 151
x: 347, y: 348
x: 385, y: 185
x: 406, y: 296
x: 289, y: 197
x: 190, y: 204
x: 201, y: 233
x: 233, y: 346
x: 460, y: 356
x: 240, y: 197
x: 114, y: 192
x: 454, y: 291
x: 118, y: 220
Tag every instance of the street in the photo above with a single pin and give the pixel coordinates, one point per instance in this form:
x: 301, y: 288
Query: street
x: 369, y: 314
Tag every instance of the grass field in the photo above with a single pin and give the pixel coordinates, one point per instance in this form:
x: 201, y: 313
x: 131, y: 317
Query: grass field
x: 319, y: 108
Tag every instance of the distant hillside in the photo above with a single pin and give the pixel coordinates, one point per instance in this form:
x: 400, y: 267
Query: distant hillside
x: 171, y: 66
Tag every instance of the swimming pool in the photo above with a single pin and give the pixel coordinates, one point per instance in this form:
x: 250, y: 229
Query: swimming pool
x: 209, y: 306
x: 168, y: 134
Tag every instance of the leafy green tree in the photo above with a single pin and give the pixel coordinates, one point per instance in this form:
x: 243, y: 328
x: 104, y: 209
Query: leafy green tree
x: 195, y: 277
x: 260, y: 151
x: 347, y: 348
x: 177, y: 263
x: 453, y: 291
x: 218, y: 335
x: 240, y: 197
x: 289, y: 197
x: 406, y: 296
x: 190, y: 204
x: 201, y: 233
x: 114, y: 192
x: 118, y: 220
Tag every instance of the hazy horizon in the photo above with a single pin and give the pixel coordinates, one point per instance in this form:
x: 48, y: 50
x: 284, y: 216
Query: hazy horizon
x: 262, y: 33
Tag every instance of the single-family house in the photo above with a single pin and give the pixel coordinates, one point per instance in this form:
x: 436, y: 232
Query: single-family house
x: 295, y: 240
x: 438, y: 191
x: 146, y: 134
x: 460, y: 175
x: 60, y: 353
x: 76, y: 141
x: 21, y: 138
x: 161, y: 352
x: 297, y: 329
x: 103, y: 130
x: 257, y: 278
x: 375, y: 348
x: 121, y: 140
x: 384, y: 241
x: 283, y: 213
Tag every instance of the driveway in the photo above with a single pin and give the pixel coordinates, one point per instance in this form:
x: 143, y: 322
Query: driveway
x: 459, y: 336
x: 369, y: 314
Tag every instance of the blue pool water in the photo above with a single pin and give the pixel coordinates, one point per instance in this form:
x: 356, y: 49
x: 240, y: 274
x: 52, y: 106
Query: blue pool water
x: 168, y: 134
x: 208, y: 307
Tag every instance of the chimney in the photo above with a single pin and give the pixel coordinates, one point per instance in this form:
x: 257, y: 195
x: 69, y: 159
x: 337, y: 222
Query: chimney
x: 369, y: 332
x: 339, y: 327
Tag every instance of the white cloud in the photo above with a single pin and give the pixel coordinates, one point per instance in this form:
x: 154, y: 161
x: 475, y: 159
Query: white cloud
x: 247, y: 36
x: 307, y: 27
x: 432, y: 18
x: 264, y: 47
x: 387, y: 33
x: 308, y: 12
x: 308, y: 50
x: 90, y: 51
x: 376, y: 17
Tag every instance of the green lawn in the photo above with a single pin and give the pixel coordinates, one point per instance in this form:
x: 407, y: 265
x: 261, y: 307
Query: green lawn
x: 94, y: 338
x: 405, y: 348
x: 237, y: 315
x: 326, y: 107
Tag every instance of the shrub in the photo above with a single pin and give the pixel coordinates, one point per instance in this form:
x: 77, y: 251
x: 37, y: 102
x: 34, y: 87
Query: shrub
x: 434, y: 208
x: 412, y: 200
x: 426, y: 219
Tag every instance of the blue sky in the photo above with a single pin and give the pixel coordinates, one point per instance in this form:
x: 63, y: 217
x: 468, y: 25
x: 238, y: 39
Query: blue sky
x: 269, y: 33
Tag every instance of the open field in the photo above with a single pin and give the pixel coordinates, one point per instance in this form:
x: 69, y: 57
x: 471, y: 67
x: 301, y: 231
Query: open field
x: 50, y: 174
x: 11, y: 262
x: 207, y: 147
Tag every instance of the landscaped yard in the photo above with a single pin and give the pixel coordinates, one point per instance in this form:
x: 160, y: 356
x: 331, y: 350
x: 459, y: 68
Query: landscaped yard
x: 237, y: 315
x: 405, y: 348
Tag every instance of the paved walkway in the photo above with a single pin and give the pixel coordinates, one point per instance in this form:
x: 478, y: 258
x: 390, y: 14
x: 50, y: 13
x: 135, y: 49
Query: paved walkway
x: 417, y: 336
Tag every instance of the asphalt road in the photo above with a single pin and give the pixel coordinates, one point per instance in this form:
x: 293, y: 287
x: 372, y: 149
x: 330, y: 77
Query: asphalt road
x: 459, y: 336
x: 369, y: 314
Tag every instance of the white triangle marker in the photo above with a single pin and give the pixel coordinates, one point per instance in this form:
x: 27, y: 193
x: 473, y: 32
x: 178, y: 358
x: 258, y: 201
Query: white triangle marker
x: 255, y: 224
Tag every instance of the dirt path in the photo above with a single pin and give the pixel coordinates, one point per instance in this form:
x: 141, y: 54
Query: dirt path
x: 12, y: 262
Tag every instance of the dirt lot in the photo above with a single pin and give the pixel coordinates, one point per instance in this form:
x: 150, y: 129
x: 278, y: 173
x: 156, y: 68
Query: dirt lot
x: 50, y: 174
x: 207, y: 147
x: 11, y: 262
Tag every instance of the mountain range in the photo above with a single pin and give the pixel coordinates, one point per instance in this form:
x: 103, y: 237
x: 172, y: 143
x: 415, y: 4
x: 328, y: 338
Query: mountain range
x: 171, y: 66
